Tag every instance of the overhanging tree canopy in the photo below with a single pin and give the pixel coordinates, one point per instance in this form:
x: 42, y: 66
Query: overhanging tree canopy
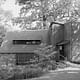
x: 46, y: 10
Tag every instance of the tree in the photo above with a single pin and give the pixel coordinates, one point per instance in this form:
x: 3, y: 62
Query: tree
x: 45, y: 10
x: 5, y: 16
x: 76, y: 9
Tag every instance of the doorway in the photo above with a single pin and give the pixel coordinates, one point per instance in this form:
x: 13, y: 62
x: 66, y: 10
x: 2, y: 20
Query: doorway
x: 63, y: 48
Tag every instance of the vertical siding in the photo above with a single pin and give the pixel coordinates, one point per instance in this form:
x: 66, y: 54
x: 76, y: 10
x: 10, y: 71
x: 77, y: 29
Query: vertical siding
x: 68, y: 36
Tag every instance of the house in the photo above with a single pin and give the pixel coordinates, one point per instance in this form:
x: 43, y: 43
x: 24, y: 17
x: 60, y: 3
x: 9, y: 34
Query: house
x: 25, y: 42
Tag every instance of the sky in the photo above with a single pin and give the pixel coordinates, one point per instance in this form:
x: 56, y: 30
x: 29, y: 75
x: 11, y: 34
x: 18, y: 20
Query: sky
x: 9, y: 5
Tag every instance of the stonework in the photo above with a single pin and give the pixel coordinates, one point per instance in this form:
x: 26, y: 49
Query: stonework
x: 75, y: 42
x: 7, y: 60
x: 76, y: 52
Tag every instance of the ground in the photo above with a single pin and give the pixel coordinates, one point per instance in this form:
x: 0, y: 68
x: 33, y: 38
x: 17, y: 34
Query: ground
x: 69, y: 73
x: 63, y: 75
x: 65, y: 70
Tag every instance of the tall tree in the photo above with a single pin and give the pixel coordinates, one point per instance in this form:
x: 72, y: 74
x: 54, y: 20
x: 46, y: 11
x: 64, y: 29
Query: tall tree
x: 44, y: 10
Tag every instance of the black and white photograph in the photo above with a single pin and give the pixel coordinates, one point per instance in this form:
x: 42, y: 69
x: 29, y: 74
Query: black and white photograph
x: 39, y: 39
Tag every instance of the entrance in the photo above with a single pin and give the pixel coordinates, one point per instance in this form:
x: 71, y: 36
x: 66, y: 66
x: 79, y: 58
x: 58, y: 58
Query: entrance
x: 62, y: 54
x: 62, y: 47
x: 61, y: 37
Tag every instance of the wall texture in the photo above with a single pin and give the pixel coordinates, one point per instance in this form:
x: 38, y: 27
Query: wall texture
x: 72, y: 33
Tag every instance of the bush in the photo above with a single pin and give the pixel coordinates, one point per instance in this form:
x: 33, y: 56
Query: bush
x: 26, y: 74
x: 48, y: 65
x: 5, y: 74
x: 32, y: 73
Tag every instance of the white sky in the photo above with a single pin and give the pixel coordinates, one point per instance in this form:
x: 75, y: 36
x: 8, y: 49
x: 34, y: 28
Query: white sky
x: 10, y: 6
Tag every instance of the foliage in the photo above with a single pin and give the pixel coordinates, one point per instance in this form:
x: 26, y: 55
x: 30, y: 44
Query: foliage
x: 5, y: 17
x: 11, y: 71
x: 44, y: 10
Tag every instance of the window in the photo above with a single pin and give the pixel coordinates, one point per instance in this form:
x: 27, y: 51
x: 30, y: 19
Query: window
x: 27, y: 42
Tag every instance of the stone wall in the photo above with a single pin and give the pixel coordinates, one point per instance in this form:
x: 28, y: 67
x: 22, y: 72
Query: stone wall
x: 7, y: 60
x: 7, y: 66
x: 76, y: 52
x: 72, y: 34
x: 75, y: 41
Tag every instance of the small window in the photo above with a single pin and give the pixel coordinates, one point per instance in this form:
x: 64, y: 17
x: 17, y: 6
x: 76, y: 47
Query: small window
x: 27, y: 42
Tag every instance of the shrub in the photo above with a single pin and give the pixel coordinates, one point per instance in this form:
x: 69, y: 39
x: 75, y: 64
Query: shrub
x: 48, y: 65
x: 32, y: 73
x: 26, y: 74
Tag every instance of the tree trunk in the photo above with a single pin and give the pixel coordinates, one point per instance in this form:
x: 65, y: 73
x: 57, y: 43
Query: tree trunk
x: 44, y: 21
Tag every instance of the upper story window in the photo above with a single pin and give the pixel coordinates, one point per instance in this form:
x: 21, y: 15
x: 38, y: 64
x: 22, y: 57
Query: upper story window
x: 27, y: 42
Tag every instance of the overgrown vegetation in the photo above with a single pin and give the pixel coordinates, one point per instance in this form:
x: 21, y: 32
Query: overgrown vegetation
x: 37, y: 69
x: 45, y: 11
x: 42, y: 12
